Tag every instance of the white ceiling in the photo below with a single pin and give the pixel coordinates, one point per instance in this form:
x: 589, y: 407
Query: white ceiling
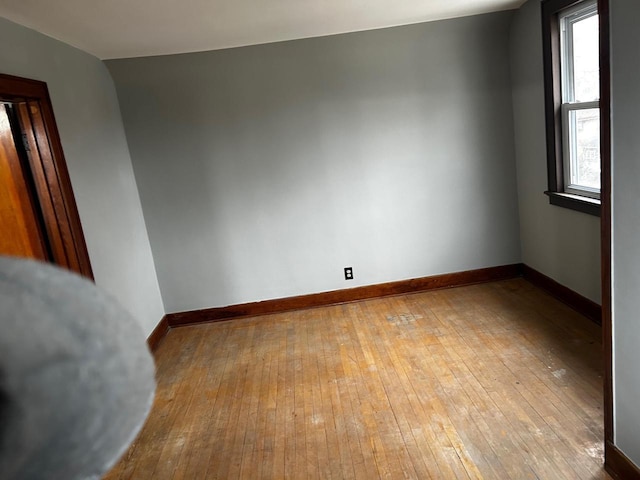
x: 133, y: 28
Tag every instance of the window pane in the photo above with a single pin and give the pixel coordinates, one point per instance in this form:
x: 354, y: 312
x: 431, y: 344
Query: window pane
x: 584, y: 134
x: 586, y: 67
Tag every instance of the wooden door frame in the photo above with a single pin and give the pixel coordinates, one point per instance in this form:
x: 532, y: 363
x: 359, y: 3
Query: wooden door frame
x: 615, y: 461
x: 51, y: 177
x: 605, y: 217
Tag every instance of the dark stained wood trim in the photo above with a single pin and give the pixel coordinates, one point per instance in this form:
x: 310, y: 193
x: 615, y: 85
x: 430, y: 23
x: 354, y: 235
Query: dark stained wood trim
x: 553, y: 88
x: 582, y: 305
x: 155, y: 339
x: 605, y: 216
x: 51, y: 176
x: 18, y: 87
x: 575, y: 202
x: 344, y: 296
x: 618, y: 465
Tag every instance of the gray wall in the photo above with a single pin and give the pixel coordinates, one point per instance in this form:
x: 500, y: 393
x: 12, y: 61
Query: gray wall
x: 88, y: 117
x: 625, y: 65
x: 563, y: 244
x: 265, y: 170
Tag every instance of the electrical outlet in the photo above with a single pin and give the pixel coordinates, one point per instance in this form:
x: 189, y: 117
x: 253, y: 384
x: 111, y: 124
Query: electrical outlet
x: 348, y: 273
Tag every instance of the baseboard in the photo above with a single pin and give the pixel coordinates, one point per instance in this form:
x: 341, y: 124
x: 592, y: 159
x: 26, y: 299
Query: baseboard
x: 158, y: 334
x: 618, y: 465
x: 344, y: 296
x: 582, y: 305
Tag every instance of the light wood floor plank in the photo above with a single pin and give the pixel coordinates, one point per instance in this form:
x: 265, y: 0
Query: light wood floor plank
x: 491, y: 381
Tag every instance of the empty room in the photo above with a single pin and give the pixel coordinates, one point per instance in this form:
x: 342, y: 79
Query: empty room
x: 319, y: 240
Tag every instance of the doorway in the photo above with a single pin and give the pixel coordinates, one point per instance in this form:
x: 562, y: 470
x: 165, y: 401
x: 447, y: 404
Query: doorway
x: 38, y: 214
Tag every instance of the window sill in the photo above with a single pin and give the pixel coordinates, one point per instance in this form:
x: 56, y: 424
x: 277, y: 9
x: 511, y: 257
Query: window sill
x: 587, y: 205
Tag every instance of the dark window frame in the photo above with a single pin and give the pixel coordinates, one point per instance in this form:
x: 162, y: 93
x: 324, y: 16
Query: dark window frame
x: 553, y: 111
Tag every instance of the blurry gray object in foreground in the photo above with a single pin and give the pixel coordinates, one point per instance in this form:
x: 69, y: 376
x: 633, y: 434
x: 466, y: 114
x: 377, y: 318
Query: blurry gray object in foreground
x: 76, y: 376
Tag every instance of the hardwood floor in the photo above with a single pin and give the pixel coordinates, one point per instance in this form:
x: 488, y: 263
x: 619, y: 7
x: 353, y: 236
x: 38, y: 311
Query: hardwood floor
x: 491, y: 381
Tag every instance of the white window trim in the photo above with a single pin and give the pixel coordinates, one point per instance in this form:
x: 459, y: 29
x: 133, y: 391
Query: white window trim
x: 569, y: 160
x: 570, y: 16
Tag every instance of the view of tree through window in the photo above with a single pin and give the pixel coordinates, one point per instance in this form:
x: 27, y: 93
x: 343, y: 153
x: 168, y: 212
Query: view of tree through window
x: 586, y: 170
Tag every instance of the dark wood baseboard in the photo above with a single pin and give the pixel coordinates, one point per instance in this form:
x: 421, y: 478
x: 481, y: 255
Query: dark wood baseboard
x: 344, y: 296
x: 158, y: 334
x: 582, y: 305
x: 618, y: 465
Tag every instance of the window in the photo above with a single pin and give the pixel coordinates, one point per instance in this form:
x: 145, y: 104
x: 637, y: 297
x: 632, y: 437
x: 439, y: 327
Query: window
x: 572, y: 101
